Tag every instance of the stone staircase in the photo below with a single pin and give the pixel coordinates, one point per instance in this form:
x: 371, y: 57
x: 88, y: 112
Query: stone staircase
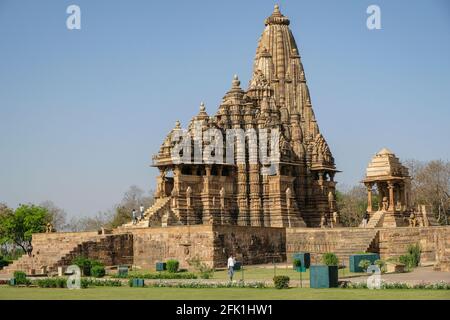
x: 153, y: 216
x: 376, y: 220
x: 54, y: 250
x: 357, y: 241
x: 48, y: 249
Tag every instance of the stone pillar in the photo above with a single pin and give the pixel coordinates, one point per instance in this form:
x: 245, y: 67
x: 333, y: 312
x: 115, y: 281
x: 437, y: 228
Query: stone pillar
x: 391, y: 196
x: 369, y: 197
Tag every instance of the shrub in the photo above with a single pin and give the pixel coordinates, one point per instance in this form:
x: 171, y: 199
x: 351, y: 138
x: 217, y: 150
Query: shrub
x: 381, y: 264
x: 98, y: 271
x: 172, y: 265
x: 21, y: 278
x: 205, y: 271
x: 86, y: 264
x: 330, y: 259
x: 158, y: 275
x: 297, y: 263
x: 51, y: 283
x: 364, y: 264
x: 3, y: 262
x: 196, y: 284
x: 281, y: 282
x: 414, y: 251
x: 100, y: 283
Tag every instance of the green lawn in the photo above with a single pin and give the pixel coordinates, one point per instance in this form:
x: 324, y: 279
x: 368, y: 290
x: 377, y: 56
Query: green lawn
x: 122, y: 293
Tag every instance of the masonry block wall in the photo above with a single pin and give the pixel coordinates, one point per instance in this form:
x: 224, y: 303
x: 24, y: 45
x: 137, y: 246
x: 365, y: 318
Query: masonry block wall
x: 249, y: 245
x: 182, y: 243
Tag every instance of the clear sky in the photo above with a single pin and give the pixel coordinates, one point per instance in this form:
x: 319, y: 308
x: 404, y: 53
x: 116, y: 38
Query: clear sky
x: 82, y: 111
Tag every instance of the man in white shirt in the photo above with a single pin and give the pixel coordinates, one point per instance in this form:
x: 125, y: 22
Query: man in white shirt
x: 230, y: 266
x: 141, y: 209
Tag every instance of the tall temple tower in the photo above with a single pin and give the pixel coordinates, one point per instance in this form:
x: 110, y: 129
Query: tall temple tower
x: 295, y: 192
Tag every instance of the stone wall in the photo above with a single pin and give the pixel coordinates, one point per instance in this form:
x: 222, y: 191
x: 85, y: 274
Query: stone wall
x: 212, y: 244
x: 250, y: 245
x: 182, y: 243
x: 434, y: 241
x: 388, y: 242
x: 341, y: 241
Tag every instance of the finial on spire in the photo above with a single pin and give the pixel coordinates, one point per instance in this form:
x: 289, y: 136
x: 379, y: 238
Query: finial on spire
x: 178, y: 124
x: 202, y: 107
x: 236, y: 82
x: 277, y: 17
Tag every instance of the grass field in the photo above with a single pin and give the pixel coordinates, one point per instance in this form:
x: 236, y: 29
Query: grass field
x: 127, y: 293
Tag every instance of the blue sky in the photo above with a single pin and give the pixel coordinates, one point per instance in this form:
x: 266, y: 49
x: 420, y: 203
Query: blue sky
x: 82, y: 111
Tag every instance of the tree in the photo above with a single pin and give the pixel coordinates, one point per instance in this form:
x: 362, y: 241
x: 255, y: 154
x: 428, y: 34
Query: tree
x: 58, y: 215
x: 94, y: 223
x: 132, y: 199
x: 17, y: 227
x: 352, y: 205
x: 431, y: 185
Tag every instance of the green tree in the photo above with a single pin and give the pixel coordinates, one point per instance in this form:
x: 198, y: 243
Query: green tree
x: 17, y: 227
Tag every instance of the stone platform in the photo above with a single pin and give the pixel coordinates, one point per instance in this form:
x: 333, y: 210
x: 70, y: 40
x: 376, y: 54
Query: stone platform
x: 142, y: 247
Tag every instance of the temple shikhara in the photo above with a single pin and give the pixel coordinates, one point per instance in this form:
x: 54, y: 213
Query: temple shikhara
x: 298, y: 193
x: 260, y: 211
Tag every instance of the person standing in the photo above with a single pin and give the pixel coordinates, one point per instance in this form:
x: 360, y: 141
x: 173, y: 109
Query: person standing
x: 365, y: 219
x: 141, y: 211
x: 133, y: 214
x: 230, y: 265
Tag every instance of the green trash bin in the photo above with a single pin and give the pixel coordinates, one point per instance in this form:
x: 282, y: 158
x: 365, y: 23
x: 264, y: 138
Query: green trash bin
x: 122, y: 271
x: 12, y: 282
x: 160, y: 266
x: 322, y: 276
x: 355, y: 259
x: 137, y: 283
x: 304, y: 257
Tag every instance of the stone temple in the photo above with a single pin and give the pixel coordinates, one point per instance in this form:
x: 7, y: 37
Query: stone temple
x: 297, y: 193
x: 261, y: 212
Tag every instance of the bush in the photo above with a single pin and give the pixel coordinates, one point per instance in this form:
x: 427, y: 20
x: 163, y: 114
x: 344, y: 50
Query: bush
x: 98, y: 271
x: 381, y: 264
x: 172, y: 265
x: 364, y: 264
x: 86, y: 265
x: 281, y: 282
x: 158, y: 275
x: 3, y: 262
x: 330, y: 259
x: 205, y: 271
x: 51, y: 283
x: 100, y: 283
x: 297, y: 263
x: 21, y: 278
x: 414, y: 251
x: 197, y: 284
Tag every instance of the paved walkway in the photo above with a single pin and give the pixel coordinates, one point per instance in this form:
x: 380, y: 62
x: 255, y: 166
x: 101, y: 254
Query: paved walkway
x: 418, y: 275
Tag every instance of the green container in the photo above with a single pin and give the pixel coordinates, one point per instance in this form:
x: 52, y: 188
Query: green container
x: 300, y: 269
x: 12, y: 282
x: 304, y: 257
x: 160, y: 266
x: 138, y: 283
x: 355, y: 259
x: 322, y: 276
x: 122, y: 271
x: 237, y: 266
